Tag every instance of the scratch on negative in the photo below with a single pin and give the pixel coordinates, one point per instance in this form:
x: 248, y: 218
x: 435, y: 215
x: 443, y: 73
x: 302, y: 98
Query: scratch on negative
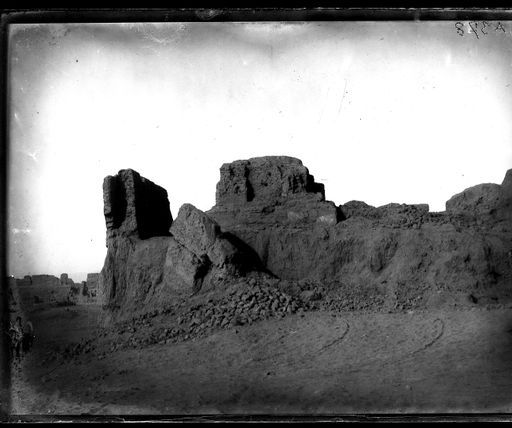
x: 343, y: 96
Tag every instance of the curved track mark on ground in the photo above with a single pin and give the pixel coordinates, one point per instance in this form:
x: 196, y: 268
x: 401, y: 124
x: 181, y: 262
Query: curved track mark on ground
x: 439, y: 323
x: 308, y: 355
x: 335, y: 341
x: 441, y: 327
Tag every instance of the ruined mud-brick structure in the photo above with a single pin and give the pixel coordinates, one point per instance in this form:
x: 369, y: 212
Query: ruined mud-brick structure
x: 42, y: 280
x: 66, y: 280
x: 92, y: 281
x: 33, y: 290
x: 150, y: 257
x: 92, y: 285
x: 88, y: 290
x: 271, y: 219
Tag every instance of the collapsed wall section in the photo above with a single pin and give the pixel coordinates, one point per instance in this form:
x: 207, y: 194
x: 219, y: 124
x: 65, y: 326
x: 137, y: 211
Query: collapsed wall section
x: 393, y: 246
x: 135, y: 206
x: 271, y: 190
x: 488, y: 201
x: 265, y: 178
x: 149, y: 262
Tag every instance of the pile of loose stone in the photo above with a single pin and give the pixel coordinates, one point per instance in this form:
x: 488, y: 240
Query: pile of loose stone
x: 353, y: 302
x: 408, y: 220
x: 185, y: 321
x: 237, y: 308
x: 242, y: 305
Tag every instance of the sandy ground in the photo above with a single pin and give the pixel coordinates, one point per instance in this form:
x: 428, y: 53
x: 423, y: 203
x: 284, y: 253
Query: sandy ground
x: 314, y: 363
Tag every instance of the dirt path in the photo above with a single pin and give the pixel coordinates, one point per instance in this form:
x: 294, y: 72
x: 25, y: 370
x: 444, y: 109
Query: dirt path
x: 320, y: 362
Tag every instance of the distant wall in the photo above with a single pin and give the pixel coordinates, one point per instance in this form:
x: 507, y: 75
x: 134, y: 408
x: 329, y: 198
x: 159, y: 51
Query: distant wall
x: 34, y: 291
x: 93, y: 281
x: 32, y: 296
x: 88, y: 291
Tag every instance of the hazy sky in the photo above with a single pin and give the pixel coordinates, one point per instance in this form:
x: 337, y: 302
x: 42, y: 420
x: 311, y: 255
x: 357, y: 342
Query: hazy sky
x: 407, y: 112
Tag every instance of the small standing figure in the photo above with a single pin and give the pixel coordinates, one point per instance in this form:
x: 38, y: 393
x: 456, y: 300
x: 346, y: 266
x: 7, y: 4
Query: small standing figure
x: 16, y: 334
x: 28, y: 337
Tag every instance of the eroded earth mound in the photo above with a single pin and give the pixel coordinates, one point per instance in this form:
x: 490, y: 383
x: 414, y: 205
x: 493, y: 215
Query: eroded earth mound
x: 272, y: 224
x: 151, y: 259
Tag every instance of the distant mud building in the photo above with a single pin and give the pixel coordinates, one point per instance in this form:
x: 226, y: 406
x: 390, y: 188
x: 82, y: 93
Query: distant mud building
x: 31, y: 292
